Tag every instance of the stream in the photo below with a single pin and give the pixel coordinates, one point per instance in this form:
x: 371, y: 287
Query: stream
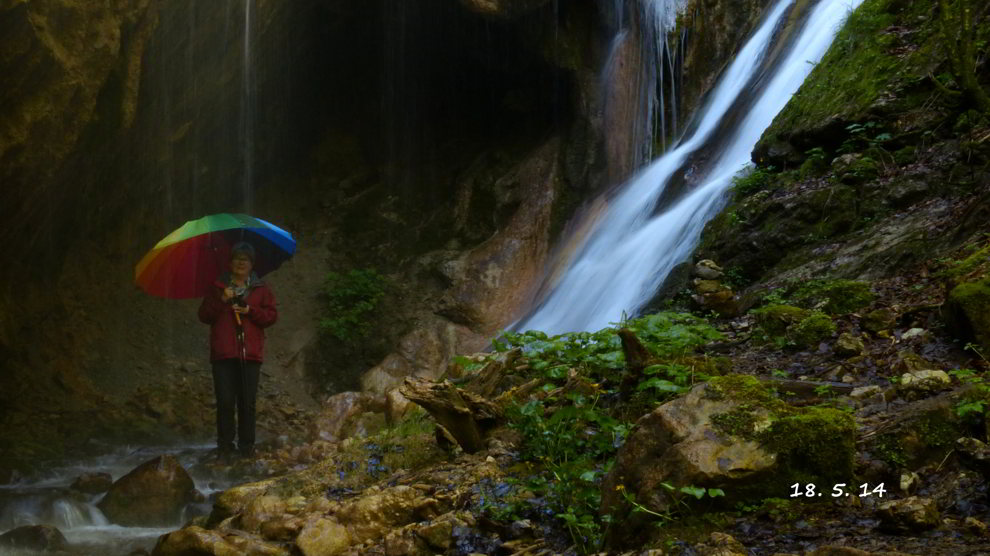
x: 48, y: 500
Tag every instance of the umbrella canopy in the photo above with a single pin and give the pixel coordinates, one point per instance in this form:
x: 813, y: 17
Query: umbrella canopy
x: 188, y: 260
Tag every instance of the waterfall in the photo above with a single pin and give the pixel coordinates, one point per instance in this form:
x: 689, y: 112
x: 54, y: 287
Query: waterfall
x: 650, y: 224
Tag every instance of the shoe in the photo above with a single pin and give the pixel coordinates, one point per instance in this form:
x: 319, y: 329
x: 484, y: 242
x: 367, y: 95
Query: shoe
x: 225, y: 456
x: 246, y: 452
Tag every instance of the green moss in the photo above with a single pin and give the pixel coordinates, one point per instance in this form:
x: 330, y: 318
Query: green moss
x: 739, y: 422
x: 741, y: 388
x: 972, y: 299
x: 812, y: 444
x: 973, y: 265
x: 815, y: 445
x: 863, y: 65
x: 837, y: 296
x: 888, y: 449
x: 815, y: 328
x: 775, y: 319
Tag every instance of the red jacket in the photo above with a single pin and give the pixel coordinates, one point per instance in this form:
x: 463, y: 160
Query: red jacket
x: 224, y: 343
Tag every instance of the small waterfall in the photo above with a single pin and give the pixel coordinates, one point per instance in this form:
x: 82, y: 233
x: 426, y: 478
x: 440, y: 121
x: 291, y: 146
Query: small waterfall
x: 248, y: 112
x: 646, y: 230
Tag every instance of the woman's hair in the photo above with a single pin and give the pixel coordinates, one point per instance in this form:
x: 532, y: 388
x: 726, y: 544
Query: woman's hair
x: 243, y: 248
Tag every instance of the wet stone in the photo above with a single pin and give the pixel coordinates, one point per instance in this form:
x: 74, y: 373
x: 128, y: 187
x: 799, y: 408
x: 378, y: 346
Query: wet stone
x: 42, y: 538
x: 93, y: 483
x: 908, y: 515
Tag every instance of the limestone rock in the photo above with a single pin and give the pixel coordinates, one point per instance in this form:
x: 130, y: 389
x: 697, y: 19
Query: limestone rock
x: 196, y: 540
x: 908, y: 515
x: 849, y: 345
x: 233, y: 501
x: 337, y: 413
x: 323, y: 537
x: 261, y: 510
x: 41, y: 538
x: 708, y: 270
x: 154, y: 493
x: 374, y: 515
x: 93, y: 483
x: 918, y: 384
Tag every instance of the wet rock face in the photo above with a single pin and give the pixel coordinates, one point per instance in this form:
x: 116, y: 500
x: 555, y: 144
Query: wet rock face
x: 154, y: 493
x: 42, y: 538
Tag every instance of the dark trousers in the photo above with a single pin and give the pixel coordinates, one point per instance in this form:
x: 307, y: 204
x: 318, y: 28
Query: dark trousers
x: 235, y: 383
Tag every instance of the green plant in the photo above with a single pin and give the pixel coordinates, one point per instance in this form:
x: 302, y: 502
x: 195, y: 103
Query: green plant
x: 570, y: 438
x: 351, y: 301
x: 746, y: 184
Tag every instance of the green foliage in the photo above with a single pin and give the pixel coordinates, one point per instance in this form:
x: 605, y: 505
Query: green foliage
x: 352, y: 300
x: 574, y: 441
x: 599, y: 354
x: 973, y: 407
x: 757, y: 179
x: 570, y: 438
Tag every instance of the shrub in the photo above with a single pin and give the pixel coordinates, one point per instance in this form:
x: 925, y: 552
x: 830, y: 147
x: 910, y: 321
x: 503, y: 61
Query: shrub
x: 352, y: 300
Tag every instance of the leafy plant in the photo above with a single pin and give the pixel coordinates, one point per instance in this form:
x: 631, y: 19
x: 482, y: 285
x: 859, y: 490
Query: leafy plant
x: 746, y: 184
x: 570, y: 438
x: 351, y: 301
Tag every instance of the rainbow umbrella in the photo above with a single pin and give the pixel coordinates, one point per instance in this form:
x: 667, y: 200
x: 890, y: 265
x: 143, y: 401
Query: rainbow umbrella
x: 188, y: 260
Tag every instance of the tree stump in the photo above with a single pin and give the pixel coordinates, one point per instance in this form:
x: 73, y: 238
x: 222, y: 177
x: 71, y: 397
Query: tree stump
x: 465, y: 415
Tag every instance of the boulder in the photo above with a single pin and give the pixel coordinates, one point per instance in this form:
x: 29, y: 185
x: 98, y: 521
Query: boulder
x: 731, y: 433
x: 323, y: 537
x: 908, y: 515
x: 92, y: 483
x: 154, y: 493
x: 41, y: 538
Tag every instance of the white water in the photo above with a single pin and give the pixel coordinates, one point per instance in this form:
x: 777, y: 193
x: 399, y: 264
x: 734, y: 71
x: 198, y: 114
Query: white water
x: 631, y: 251
x: 48, y: 500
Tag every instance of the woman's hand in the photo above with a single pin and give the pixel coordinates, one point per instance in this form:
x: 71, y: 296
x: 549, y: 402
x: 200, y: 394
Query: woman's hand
x: 227, y: 295
x: 242, y: 309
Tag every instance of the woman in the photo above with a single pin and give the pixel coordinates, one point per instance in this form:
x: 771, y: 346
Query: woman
x: 238, y: 308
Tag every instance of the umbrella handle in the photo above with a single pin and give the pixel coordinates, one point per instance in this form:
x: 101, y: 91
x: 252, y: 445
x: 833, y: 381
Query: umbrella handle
x: 237, y: 317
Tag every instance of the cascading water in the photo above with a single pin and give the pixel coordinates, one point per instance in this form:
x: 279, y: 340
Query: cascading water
x: 647, y: 230
x: 49, y: 500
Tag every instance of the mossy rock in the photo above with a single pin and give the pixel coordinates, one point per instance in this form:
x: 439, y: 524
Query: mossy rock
x: 835, y: 297
x: 968, y: 312
x: 775, y: 319
x: 814, y: 329
x: 812, y: 444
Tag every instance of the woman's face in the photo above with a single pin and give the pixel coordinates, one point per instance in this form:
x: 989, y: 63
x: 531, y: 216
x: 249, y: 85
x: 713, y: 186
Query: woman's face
x: 240, y: 264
